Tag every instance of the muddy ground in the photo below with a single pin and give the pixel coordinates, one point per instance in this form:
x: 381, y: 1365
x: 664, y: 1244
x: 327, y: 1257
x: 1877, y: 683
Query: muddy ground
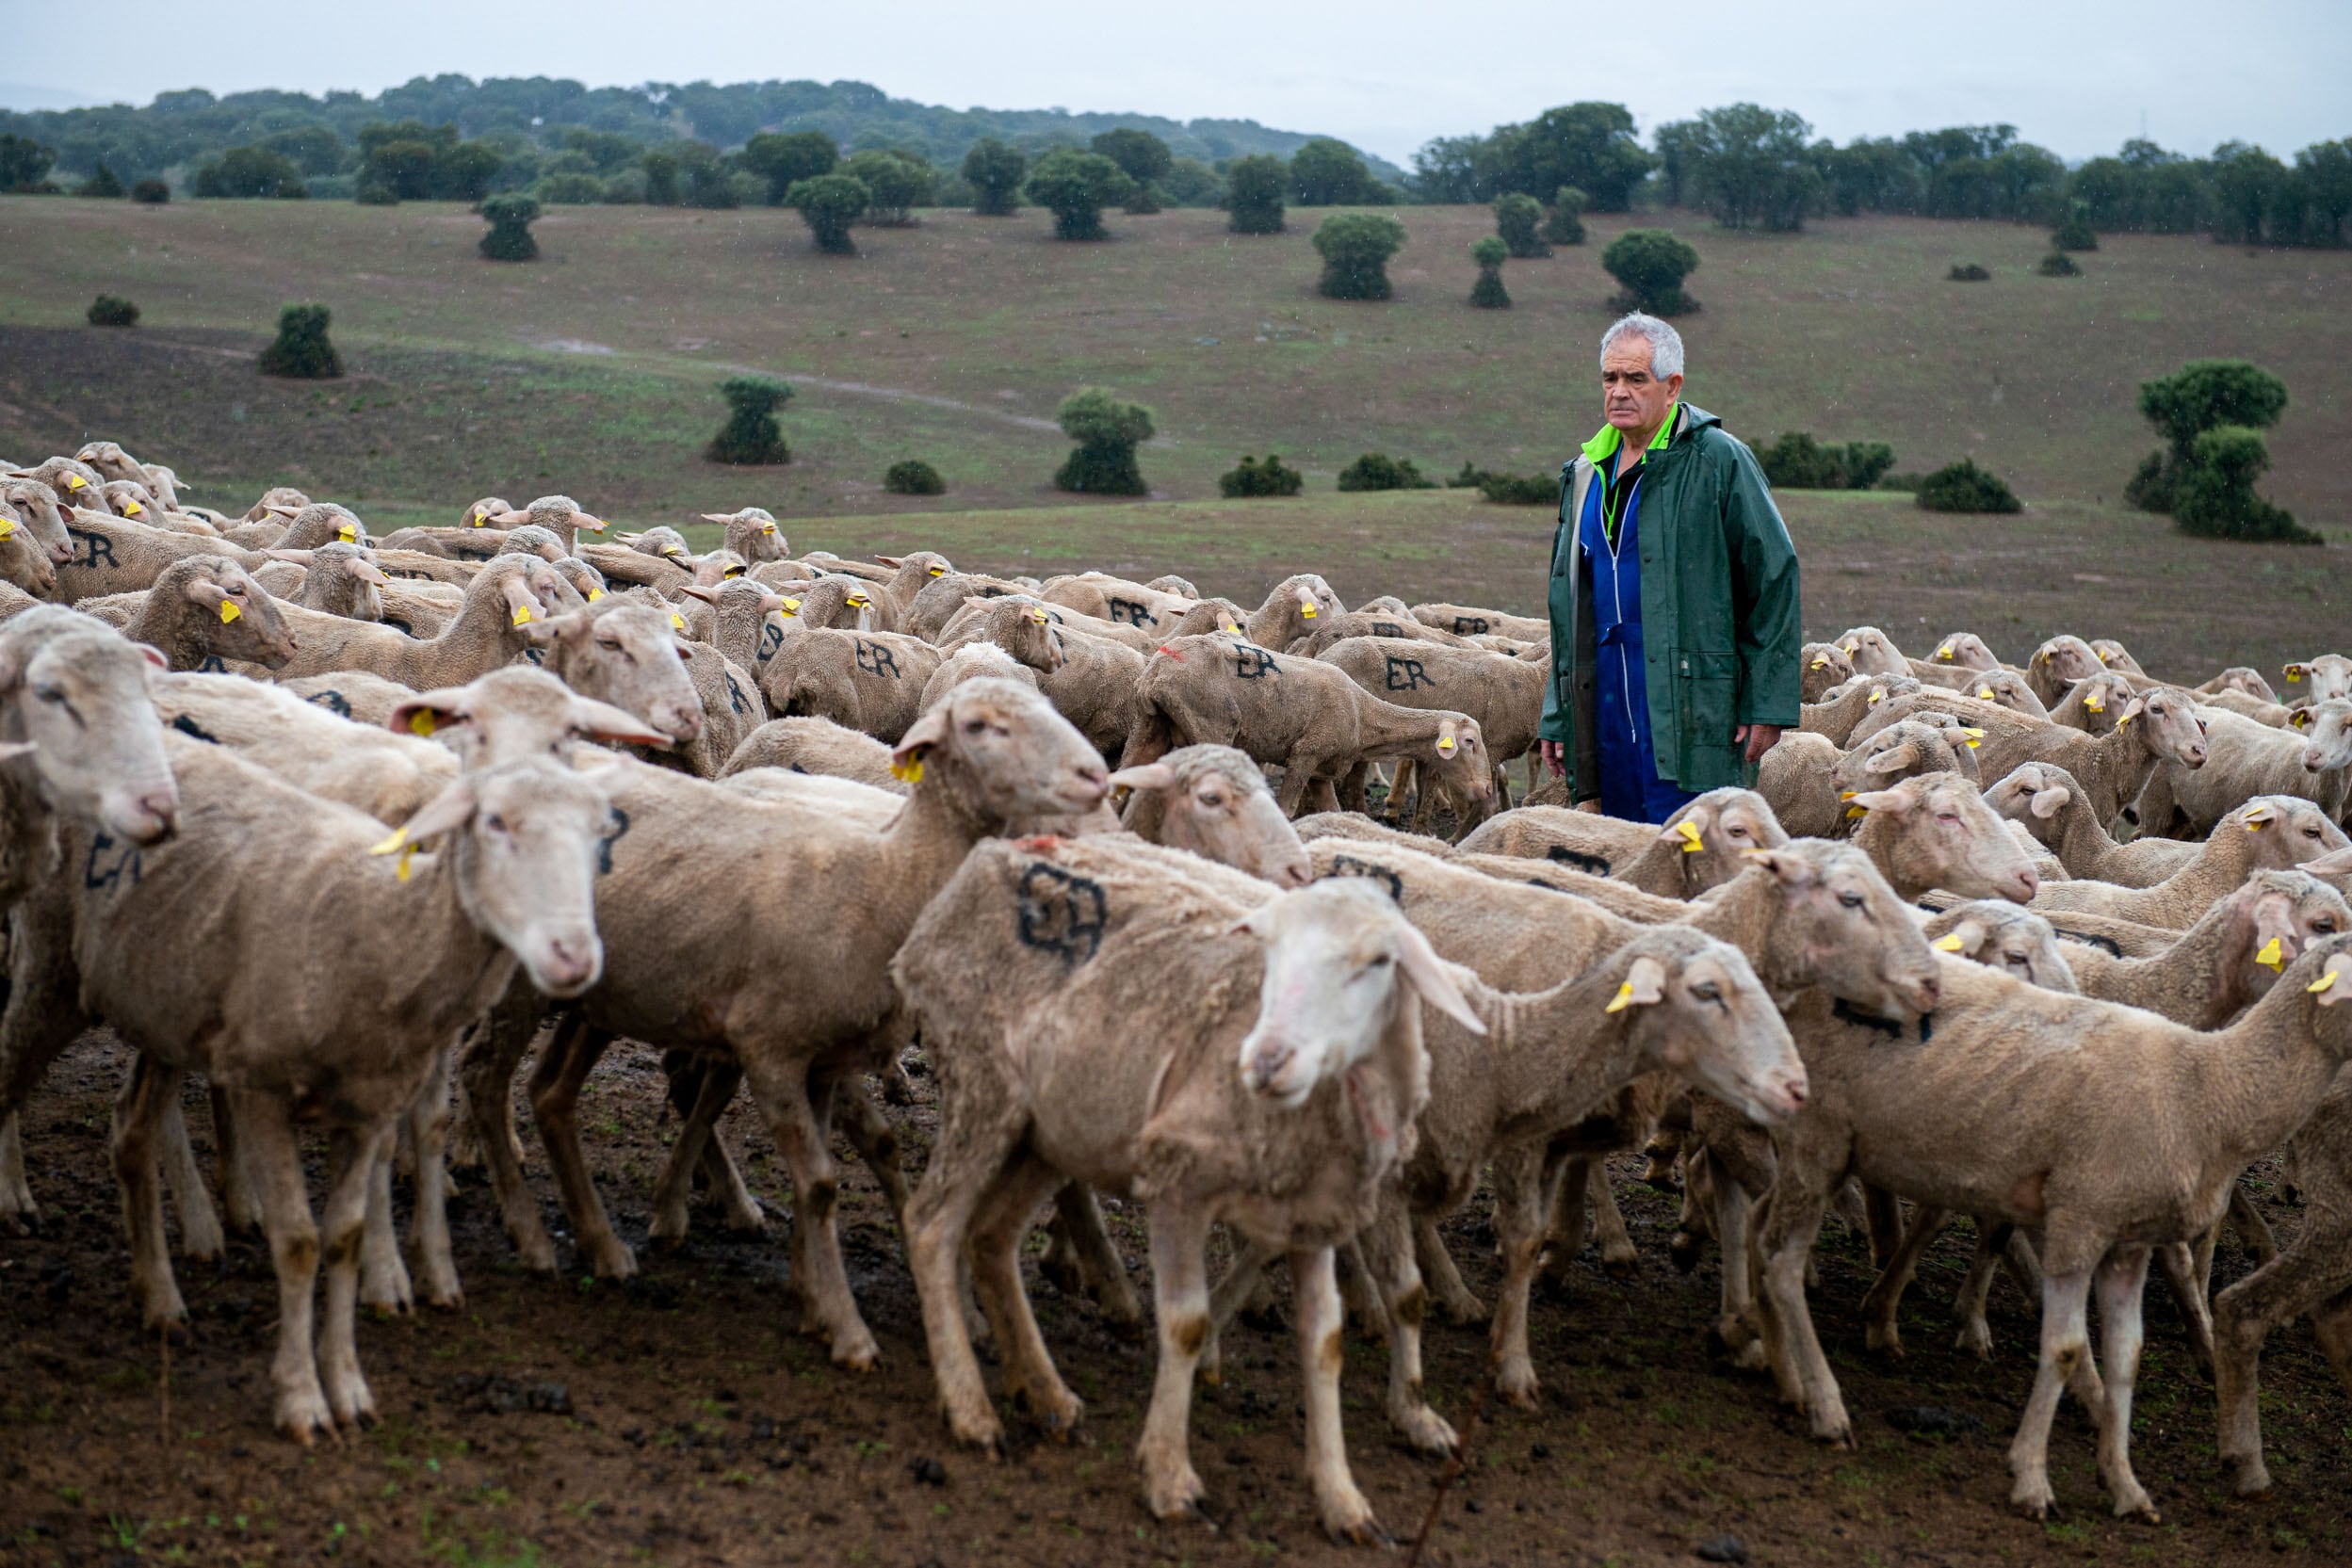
x: 681, y: 1420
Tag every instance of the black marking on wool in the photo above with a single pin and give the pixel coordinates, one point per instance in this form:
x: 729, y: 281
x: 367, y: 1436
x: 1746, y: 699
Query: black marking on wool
x: 1847, y: 1013
x: 1250, y: 662
x: 463, y: 553
x: 537, y: 655
x: 603, y: 845
x: 1469, y: 625
x: 771, y: 639
x: 1407, y: 674
x: 1348, y: 866
x: 2107, y: 945
x: 187, y: 726
x: 399, y: 626
x: 96, y: 545
x: 735, y: 695
x: 1388, y: 628
x: 1133, y: 614
x: 1597, y: 866
x: 125, y: 861
x: 875, y: 659
x: 1060, y: 913
x: 210, y: 665
x: 332, y: 700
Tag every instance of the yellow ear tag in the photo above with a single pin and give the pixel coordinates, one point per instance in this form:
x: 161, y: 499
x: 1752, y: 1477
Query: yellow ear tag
x: 1944, y: 651
x: 422, y: 723
x: 1852, y: 648
x: 938, y: 570
x: 2326, y: 983
x: 7, y: 527
x: 478, y: 515
x: 1848, y: 794
x: 1445, y: 744
x: 909, y: 771
x: 2269, y: 955
x: 132, y: 509
x: 1854, y: 814
x: 522, y: 613
x: 347, y: 533
x: 594, y: 594
x: 857, y: 601
x: 671, y: 551
x: 2094, y: 704
x: 1623, y: 999
x: 229, y: 612
x: 1819, y: 664
x: 2254, y: 824
x: 2122, y: 721
x: 2295, y: 673
x: 1877, y: 694
x: 1040, y: 616
x: 1691, y: 842
x: 732, y: 572
x: 678, y: 621
x: 397, y: 844
x: 1229, y: 629
x: 1948, y: 943
x: 790, y: 607
x: 1983, y: 694
x: 767, y: 528
x: 74, y: 481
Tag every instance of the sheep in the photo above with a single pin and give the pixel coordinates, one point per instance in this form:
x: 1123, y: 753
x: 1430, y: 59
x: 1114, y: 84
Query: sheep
x: 127, y: 498
x: 1115, y: 599
x: 867, y: 681
x: 1181, y: 587
x: 2117, y: 657
x: 1213, y: 801
x: 1841, y: 709
x: 2239, y: 680
x: 2269, y: 833
x: 1505, y: 695
x: 1361, y: 622
x: 1023, y: 629
x: 203, y: 610
x: 110, y: 462
x: 1873, y: 652
x: 1065, y: 619
x: 2057, y: 664
x: 2161, y: 726
x: 24, y: 563
x: 2112, y: 1129
x: 321, y: 523
x: 1094, y: 682
x: 752, y: 534
x: 1825, y: 666
x: 826, y: 561
x: 333, y: 579
x: 1807, y: 782
x: 114, y: 554
x: 1306, y: 716
x: 747, y: 620
x: 354, y: 694
x: 941, y: 599
x: 32, y: 506
x: 894, y: 596
x: 1671, y: 861
x: 817, y: 746
x: 2222, y: 962
x: 626, y: 652
x: 348, y: 1039
x: 418, y: 567
x: 280, y: 499
x: 1470, y: 621
x: 971, y: 662
x: 72, y: 482
x: 1291, y: 611
x: 2045, y: 799
x: 490, y: 630
x: 489, y: 517
x: 2270, y: 714
x: 2093, y: 704
x: 1935, y: 832
x: 1355, y: 824
x: 2311, y: 760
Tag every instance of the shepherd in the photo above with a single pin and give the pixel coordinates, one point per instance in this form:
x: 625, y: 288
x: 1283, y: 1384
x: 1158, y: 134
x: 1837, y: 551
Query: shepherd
x: 1676, y: 625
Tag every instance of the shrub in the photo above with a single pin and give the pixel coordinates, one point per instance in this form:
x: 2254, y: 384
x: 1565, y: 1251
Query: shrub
x: 1107, y: 432
x: 1329, y: 173
x: 1964, y: 487
x: 1651, y: 264
x: 751, y: 436
x: 511, y: 218
x: 1516, y: 219
x: 301, y: 351
x: 2075, y: 232
x: 1141, y: 155
x: 1489, y: 250
x: 102, y: 184
x: 1075, y: 187
x: 1379, y: 471
x: 783, y: 161
x: 1193, y: 184
x: 1252, y: 477
x: 1144, y: 200
x: 625, y: 188
x: 1521, y: 490
x: 1797, y: 461
x: 2057, y: 265
x: 1355, y: 248
x: 996, y: 171
x: 1566, y: 226
x: 2202, y: 396
x: 109, y: 310
x: 2216, y: 496
x: 246, y: 172
x: 661, y: 180
x: 828, y: 203
x: 25, y: 164
x: 1254, y: 189
x: 896, y: 183
x: 151, y: 193
x: 568, y: 190
x: 914, y: 476
x: 375, y: 193
x: 1967, y: 272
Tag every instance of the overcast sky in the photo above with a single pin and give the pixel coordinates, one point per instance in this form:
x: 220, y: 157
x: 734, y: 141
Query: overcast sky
x: 2078, y: 76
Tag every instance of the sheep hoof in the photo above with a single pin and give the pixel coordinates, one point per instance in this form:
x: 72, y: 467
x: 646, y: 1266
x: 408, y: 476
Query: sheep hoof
x: 1356, y: 1525
x: 304, y: 1418
x: 1517, y: 1386
x: 2248, y: 1475
x: 1620, y: 1266
x: 979, y: 1430
x: 1975, y: 1338
x: 1684, y: 1250
x: 1180, y: 1498
x: 1887, y: 1340
x: 1428, y: 1432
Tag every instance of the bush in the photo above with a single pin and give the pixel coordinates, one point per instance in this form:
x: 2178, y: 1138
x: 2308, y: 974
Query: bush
x: 661, y: 180
x: 2202, y: 395
x: 1379, y: 471
x: 2057, y: 265
x: 2075, y: 232
x: 1967, y: 272
x: 828, y: 203
x: 2215, y: 499
x: 1075, y: 187
x: 25, y: 165
x: 1651, y: 264
x: 1516, y: 219
x: 914, y: 476
x: 1254, y: 189
x: 102, y: 184
x: 896, y: 183
x: 1964, y: 487
x: 151, y: 193
x: 1252, y: 477
x: 996, y: 171
x: 109, y: 310
x: 247, y: 172
x: 1566, y: 226
x: 1797, y: 461
x: 511, y: 218
x: 1193, y: 184
x: 751, y: 436
x: 569, y: 190
x: 1144, y: 200
x: 785, y: 161
x: 1141, y: 155
x: 1329, y: 173
x: 1489, y: 250
x: 301, y: 351
x: 1355, y: 248
x: 1107, y: 432
x: 1521, y: 490
x: 375, y: 193
x: 624, y: 189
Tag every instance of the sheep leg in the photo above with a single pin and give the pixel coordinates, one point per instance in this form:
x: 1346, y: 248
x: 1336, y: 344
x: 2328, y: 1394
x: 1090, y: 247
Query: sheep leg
x: 1180, y: 1270
x: 201, y: 1240
x: 1233, y: 1293
x: 555, y: 1091
x: 1320, y: 795
x: 971, y: 1151
x: 1565, y: 1242
x: 1993, y: 1238
x: 2302, y: 1277
x: 487, y: 1067
x: 998, y: 1229
x: 876, y: 1140
x: 301, y: 1412
x: 1098, y: 1266
x: 2331, y: 1325
x: 1443, y: 1280
x: 2065, y: 1345
x: 138, y: 1115
x: 1791, y: 1222
x: 357, y: 1158
x: 795, y: 1100
x: 1346, y: 1516
x: 1882, y: 1216
x: 714, y: 1084
x: 1733, y: 1213
x: 1295, y: 775
x: 42, y: 1017
x: 384, y: 1278
x: 2188, y: 1289
x: 1519, y: 1177
x: 1879, y: 1306
x: 238, y: 1200
x: 1618, y: 1258
x: 16, y: 1197
x: 2121, y: 1278
x: 2253, y: 1230
x: 697, y: 1084
x: 429, y: 1121
x: 1388, y: 1247
x: 1350, y: 794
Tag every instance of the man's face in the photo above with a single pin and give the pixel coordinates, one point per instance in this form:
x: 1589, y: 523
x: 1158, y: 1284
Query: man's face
x: 1633, y: 399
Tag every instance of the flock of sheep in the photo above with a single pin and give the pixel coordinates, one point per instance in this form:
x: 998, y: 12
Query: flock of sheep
x: 349, y: 825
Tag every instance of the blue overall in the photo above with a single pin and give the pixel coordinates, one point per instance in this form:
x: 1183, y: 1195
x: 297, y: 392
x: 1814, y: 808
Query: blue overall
x: 1629, y: 784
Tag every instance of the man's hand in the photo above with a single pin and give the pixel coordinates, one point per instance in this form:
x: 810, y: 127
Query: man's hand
x: 1759, y: 738
x: 1555, y: 754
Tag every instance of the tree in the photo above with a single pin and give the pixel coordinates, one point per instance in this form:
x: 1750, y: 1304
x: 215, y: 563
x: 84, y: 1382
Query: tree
x: 1075, y: 187
x: 2247, y: 184
x: 1355, y: 248
x: 1254, y: 189
x: 25, y: 163
x: 151, y: 193
x: 896, y: 183
x: 751, y: 436
x: 2202, y: 396
x: 1964, y: 487
x: 1517, y: 216
x: 829, y: 203
x: 2324, y: 169
x: 1379, y: 471
x: 1651, y: 263
x: 661, y: 180
x: 302, y: 352
x: 1141, y: 155
x: 102, y: 185
x: 1329, y: 173
x: 1251, y: 479
x: 1489, y: 251
x: 509, y: 236
x: 1748, y: 166
x: 111, y: 310
x: 1193, y: 184
x: 246, y: 172
x: 996, y: 171
x: 785, y: 160
x: 1566, y: 226
x: 1107, y: 432
x: 1589, y: 146
x: 913, y: 477
x: 2215, y: 498
x: 1797, y: 461
x: 464, y: 173
x: 2075, y: 232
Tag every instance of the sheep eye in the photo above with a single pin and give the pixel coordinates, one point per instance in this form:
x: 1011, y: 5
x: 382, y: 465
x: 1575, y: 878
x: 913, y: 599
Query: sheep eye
x: 1851, y: 900
x: 1212, y: 802
x: 975, y: 726
x: 1707, y: 991
x: 49, y: 693
x: 1382, y: 961
x: 1952, y: 816
x: 614, y: 643
x: 2322, y: 926
x: 494, y: 822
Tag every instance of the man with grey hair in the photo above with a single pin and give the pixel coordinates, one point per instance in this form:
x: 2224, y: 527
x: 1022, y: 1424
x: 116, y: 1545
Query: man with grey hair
x: 1676, y: 628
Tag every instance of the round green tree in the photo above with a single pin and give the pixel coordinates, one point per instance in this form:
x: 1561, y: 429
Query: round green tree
x: 1251, y: 477
x: 300, y: 350
x: 829, y: 203
x: 1964, y: 487
x: 1326, y: 172
x: 2216, y: 496
x: 913, y: 477
x: 787, y: 159
x: 102, y: 183
x: 1516, y: 219
x: 1075, y: 187
x: 509, y: 237
x: 1651, y: 264
x: 1489, y: 252
x: 751, y: 435
x: 112, y: 310
x: 1107, y: 432
x: 896, y: 183
x: 2075, y: 232
x: 1254, y: 189
x: 995, y: 172
x: 1355, y: 248
x: 1141, y: 155
x: 151, y: 193
x: 1566, y: 226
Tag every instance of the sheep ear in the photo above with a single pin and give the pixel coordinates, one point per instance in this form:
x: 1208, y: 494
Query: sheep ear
x: 2299, y: 718
x: 523, y: 606
x: 2048, y: 802
x: 1791, y: 871
x: 707, y: 595
x: 1893, y: 760
x: 2260, y: 813
x: 299, y: 557
x: 204, y: 591
x: 1690, y: 828
x: 1434, y: 979
x: 430, y: 712
x: 2336, y: 862
x: 2326, y: 988
x: 891, y: 561
x: 444, y: 813
x: 1645, y: 985
x: 153, y: 655
x: 543, y: 633
x: 367, y: 571
x: 1966, y: 937
x: 906, y: 757
x: 1150, y: 775
x: 594, y: 721
x: 718, y: 517
x: 16, y: 749
x: 1449, y: 736
x: 1894, y: 803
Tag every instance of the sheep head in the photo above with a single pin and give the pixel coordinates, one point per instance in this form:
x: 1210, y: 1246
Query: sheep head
x: 625, y: 652
x: 1942, y: 835
x: 1695, y: 1007
x: 517, y: 712
x: 2001, y: 936
x: 1002, y: 755
x: 77, y: 690
x: 1843, y: 927
x: 1213, y: 801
